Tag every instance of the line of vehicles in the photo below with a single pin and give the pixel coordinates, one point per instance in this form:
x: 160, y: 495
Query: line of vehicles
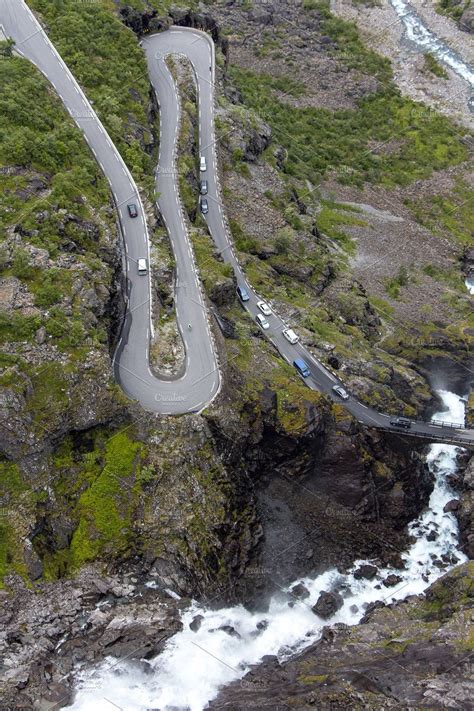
x: 203, y: 187
x: 142, y: 264
x: 299, y: 364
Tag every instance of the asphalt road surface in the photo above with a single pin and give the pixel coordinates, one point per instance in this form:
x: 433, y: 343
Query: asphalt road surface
x: 199, y: 383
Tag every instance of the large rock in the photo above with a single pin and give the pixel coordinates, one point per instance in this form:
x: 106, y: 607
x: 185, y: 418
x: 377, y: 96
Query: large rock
x: 465, y: 511
x: 452, y: 505
x: 466, y: 21
x: 37, y: 670
x: 222, y: 292
x: 366, y: 571
x: 328, y: 604
x: 300, y: 591
x: 392, y: 580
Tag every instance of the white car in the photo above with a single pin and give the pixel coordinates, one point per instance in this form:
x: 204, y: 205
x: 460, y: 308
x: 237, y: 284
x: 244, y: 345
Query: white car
x: 262, y: 321
x: 202, y: 164
x: 142, y: 266
x: 264, y: 308
x: 290, y: 336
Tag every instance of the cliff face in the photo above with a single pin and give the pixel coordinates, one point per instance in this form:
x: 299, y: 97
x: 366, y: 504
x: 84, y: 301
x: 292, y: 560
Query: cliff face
x: 413, y: 654
x: 46, y: 633
x: 272, y: 481
x: 326, y: 492
x: 86, y: 475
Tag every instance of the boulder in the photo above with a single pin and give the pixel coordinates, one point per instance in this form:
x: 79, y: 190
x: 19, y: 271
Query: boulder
x: 228, y: 629
x: 327, y: 605
x: 466, y: 21
x: 392, y: 580
x: 366, y: 571
x: 300, y: 591
x: 452, y: 505
x: 195, y: 623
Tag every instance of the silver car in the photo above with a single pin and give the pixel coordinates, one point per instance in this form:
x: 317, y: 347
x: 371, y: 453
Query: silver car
x: 342, y: 392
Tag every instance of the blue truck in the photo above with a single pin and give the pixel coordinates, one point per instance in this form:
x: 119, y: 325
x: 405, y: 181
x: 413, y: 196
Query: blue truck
x: 302, y: 367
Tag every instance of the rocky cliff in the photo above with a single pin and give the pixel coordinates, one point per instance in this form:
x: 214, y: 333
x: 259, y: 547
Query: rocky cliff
x: 271, y: 482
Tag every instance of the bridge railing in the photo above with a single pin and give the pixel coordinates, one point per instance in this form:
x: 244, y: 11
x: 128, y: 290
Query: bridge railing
x: 434, y: 437
x: 453, y: 425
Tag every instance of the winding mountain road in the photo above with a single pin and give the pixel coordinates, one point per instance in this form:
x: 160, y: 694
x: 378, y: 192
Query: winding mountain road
x: 200, y: 381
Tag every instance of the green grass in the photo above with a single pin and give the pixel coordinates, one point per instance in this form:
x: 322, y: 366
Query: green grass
x: 432, y: 65
x: 394, y: 285
x: 15, y: 501
x: 349, y: 47
x: 330, y: 219
x: 453, y: 213
x: 37, y: 134
x: 452, y: 9
x: 105, y: 507
x: 49, y: 395
x: 109, y: 64
x: 211, y: 268
x: 387, y: 140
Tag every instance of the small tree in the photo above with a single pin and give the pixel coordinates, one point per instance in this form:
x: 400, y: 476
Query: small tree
x: 6, y: 47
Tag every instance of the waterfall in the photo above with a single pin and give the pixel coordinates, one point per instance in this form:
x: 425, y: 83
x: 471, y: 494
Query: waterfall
x: 194, y: 665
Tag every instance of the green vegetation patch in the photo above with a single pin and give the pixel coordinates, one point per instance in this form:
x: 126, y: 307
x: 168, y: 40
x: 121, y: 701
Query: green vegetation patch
x: 387, y: 139
x: 16, y: 501
x: 105, y: 507
x: 452, y: 8
x: 348, y: 46
x: 432, y: 65
x: 212, y: 268
x: 110, y: 65
x: 37, y: 134
x: 451, y: 213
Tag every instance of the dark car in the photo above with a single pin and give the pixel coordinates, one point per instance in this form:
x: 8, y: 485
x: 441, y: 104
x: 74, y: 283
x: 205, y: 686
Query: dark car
x: 132, y: 210
x: 403, y: 422
x: 203, y: 187
x: 243, y: 293
x: 204, y: 206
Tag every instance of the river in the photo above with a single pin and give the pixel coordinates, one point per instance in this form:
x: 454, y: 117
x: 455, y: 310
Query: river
x: 194, y: 665
x: 417, y: 32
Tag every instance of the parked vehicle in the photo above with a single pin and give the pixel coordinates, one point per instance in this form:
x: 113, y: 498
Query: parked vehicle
x: 203, y: 187
x: 302, y: 367
x: 242, y: 293
x: 290, y: 335
x: 262, y: 321
x: 132, y: 210
x: 142, y: 266
x: 264, y: 308
x: 204, y: 206
x: 342, y: 392
x: 202, y: 164
x: 403, y: 422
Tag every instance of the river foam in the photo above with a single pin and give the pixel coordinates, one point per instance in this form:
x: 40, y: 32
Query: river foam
x: 194, y: 665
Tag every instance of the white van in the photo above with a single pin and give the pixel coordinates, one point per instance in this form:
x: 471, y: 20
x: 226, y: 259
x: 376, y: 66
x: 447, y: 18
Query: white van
x: 142, y: 266
x: 291, y: 336
x: 202, y: 164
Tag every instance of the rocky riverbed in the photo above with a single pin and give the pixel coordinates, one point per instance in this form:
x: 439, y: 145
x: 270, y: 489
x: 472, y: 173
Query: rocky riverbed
x: 383, y: 30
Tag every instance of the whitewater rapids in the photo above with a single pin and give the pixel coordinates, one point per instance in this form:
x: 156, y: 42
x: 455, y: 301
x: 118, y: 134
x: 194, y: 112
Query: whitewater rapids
x: 195, y: 665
